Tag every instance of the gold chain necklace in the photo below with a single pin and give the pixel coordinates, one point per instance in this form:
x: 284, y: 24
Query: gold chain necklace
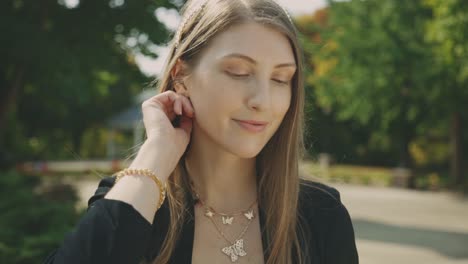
x: 234, y: 250
x: 227, y: 218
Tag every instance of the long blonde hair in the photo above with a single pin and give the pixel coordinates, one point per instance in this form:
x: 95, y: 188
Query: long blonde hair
x: 277, y: 163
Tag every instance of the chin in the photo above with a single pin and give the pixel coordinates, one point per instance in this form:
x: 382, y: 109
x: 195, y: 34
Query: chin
x: 245, y: 150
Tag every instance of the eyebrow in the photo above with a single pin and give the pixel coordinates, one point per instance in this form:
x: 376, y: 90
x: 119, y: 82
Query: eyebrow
x: 249, y: 59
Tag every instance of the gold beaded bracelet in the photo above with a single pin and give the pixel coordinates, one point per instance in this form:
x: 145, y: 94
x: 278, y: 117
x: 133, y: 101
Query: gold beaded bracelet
x: 145, y: 172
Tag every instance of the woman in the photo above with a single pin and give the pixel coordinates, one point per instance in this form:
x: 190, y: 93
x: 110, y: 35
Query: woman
x: 224, y: 138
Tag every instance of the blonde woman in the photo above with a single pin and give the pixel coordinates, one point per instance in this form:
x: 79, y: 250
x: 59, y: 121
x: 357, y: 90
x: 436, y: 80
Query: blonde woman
x: 216, y: 180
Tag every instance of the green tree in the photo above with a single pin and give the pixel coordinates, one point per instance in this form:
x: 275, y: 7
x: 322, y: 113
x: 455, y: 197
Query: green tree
x: 448, y: 31
x: 325, y: 133
x: 373, y: 66
x: 33, y: 219
x: 64, y: 69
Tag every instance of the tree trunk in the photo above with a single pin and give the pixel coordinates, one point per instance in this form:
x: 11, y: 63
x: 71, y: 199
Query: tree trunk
x: 406, y: 161
x: 10, y: 88
x: 405, y: 156
x: 76, y: 139
x: 456, y: 160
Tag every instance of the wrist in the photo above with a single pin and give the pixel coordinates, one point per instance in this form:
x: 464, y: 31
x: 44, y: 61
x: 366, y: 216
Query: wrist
x: 150, y: 156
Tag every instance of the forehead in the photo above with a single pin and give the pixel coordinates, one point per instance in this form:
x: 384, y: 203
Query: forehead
x: 262, y: 43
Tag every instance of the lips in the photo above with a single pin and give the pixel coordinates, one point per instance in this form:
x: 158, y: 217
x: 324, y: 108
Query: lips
x: 253, y: 122
x: 252, y: 125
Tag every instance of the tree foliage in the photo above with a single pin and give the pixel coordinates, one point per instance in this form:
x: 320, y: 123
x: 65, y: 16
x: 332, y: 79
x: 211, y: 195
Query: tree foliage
x: 447, y: 31
x: 65, y: 69
x: 395, y: 71
x: 33, y: 222
x: 374, y: 67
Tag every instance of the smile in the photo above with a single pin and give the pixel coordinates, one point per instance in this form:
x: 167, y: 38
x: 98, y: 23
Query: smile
x: 255, y: 128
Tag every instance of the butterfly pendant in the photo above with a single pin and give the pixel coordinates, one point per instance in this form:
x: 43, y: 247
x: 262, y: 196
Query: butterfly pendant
x: 209, y: 213
x: 227, y: 220
x: 249, y: 215
x: 235, y: 250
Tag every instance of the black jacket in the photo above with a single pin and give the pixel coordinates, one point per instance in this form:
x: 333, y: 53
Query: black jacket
x: 114, y: 232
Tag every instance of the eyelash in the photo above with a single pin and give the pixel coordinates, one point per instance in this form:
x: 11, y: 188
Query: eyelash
x: 246, y: 75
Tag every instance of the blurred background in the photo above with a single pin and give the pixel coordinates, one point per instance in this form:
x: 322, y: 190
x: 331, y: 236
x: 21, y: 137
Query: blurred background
x: 386, y: 115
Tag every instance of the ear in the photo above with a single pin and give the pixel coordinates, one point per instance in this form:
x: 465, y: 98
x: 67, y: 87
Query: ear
x: 178, y: 74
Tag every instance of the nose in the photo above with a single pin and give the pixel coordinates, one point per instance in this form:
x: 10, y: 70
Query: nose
x: 259, y: 99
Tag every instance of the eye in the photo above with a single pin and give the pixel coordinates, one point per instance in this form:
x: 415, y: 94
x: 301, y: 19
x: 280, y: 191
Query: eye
x: 236, y: 75
x: 282, y: 82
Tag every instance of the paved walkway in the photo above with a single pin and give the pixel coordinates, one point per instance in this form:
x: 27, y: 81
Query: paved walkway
x: 397, y: 226
x: 403, y: 226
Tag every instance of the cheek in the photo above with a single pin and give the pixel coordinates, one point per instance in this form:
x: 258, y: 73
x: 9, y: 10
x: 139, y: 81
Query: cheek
x: 213, y: 99
x: 280, y: 105
x: 281, y: 102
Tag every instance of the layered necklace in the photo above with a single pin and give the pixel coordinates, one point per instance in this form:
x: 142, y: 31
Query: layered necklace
x: 234, y: 248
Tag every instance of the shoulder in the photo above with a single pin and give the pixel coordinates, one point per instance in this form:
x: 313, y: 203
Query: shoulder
x: 321, y: 208
x: 315, y: 195
x: 326, y: 219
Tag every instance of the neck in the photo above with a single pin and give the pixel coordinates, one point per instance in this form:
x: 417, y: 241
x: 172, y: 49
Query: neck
x: 224, y: 181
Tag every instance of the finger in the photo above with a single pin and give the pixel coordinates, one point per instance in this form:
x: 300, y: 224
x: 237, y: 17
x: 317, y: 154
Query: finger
x: 178, y: 106
x: 167, y: 97
x: 186, y: 124
x: 171, y: 114
x: 165, y: 101
x: 170, y: 96
x: 187, y: 106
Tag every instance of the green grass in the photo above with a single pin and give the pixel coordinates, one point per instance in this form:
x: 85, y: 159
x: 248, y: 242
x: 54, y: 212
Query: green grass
x: 375, y: 176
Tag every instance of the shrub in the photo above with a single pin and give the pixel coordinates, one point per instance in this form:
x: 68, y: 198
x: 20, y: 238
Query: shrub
x: 33, y: 220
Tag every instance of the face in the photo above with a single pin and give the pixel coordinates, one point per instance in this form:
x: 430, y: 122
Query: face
x: 244, y: 74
